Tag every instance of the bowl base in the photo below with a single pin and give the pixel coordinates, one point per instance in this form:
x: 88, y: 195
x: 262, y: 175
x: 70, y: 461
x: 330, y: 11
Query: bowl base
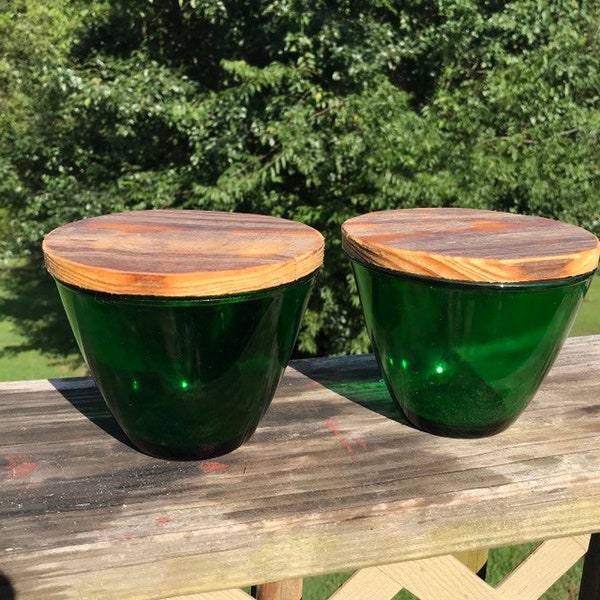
x: 202, y: 452
x: 455, y: 431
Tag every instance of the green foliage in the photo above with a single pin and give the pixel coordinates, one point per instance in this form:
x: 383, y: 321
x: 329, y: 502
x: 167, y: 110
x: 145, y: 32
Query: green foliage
x: 315, y: 111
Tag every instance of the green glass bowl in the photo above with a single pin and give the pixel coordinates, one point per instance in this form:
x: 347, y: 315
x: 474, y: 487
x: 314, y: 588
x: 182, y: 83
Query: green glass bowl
x: 464, y: 359
x: 187, y: 378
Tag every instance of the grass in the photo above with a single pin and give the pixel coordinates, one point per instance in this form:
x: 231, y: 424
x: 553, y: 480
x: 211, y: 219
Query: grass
x: 587, y: 321
x: 16, y: 364
x: 36, y: 365
x: 30, y: 364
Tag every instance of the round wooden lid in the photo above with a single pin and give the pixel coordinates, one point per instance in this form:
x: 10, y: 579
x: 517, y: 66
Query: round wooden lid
x: 182, y: 253
x: 471, y: 245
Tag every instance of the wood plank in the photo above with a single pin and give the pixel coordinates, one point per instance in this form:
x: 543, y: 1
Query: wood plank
x: 222, y: 595
x: 474, y: 560
x: 332, y: 480
x: 441, y: 578
x: 182, y: 253
x: 543, y: 568
x: 377, y: 582
x: 470, y: 245
x: 280, y: 590
x: 370, y: 582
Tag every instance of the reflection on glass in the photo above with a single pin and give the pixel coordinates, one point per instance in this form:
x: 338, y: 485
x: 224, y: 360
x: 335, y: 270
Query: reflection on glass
x: 464, y: 359
x: 187, y: 378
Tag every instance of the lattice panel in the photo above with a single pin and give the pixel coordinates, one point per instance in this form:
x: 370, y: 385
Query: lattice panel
x: 446, y: 578
x: 443, y: 578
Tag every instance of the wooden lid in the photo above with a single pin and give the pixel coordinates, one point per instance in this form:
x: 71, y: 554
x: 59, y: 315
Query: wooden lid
x: 471, y: 245
x: 182, y: 253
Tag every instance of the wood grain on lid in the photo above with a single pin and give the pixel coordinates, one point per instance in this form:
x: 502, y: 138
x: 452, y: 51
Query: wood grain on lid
x: 182, y: 253
x: 471, y: 245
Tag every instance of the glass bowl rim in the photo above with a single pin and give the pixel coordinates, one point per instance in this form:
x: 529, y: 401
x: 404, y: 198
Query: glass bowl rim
x: 167, y: 301
x: 481, y: 285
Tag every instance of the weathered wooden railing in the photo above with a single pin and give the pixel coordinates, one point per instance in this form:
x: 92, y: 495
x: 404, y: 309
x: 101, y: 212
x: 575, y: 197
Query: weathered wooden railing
x: 330, y: 481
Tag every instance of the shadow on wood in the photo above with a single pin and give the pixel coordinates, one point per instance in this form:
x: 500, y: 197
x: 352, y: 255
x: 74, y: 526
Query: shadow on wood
x: 7, y: 592
x: 90, y: 405
x: 362, y: 383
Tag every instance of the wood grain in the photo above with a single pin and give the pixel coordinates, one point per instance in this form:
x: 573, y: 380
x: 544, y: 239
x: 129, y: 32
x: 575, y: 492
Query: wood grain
x: 181, y: 253
x: 471, y: 245
x: 331, y: 481
x: 280, y: 590
x: 474, y: 560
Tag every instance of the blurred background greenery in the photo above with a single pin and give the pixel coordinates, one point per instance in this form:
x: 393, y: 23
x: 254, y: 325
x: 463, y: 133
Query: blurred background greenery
x: 315, y: 110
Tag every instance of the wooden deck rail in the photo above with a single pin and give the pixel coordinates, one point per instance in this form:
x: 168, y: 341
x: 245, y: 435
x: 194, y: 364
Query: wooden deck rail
x: 331, y: 481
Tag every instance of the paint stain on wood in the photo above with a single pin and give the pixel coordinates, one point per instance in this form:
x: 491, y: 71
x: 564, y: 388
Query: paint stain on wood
x: 163, y: 520
x: 351, y: 443
x: 211, y: 467
x: 17, y: 466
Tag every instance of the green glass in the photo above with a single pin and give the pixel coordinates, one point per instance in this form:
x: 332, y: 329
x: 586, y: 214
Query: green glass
x: 187, y: 378
x: 464, y: 359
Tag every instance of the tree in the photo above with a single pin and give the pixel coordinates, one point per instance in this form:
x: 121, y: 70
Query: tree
x: 314, y: 111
